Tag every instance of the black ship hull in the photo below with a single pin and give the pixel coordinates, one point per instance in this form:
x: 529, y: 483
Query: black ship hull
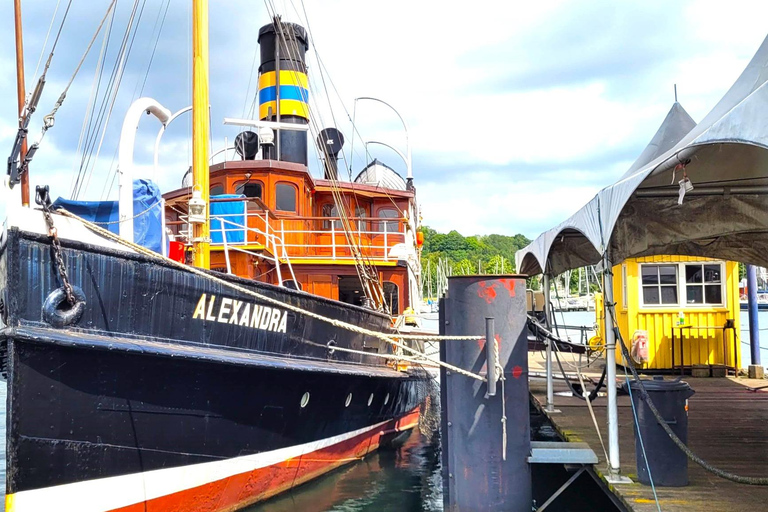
x: 175, y: 392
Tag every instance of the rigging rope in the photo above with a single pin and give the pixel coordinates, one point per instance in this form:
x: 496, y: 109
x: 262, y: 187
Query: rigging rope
x: 45, y: 43
x: 48, y: 120
x: 104, y: 115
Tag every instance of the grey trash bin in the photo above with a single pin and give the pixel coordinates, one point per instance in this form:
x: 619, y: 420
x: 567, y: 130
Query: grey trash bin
x: 668, y: 463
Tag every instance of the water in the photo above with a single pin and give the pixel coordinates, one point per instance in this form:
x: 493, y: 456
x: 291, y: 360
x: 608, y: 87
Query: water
x: 404, y: 480
x: 408, y: 479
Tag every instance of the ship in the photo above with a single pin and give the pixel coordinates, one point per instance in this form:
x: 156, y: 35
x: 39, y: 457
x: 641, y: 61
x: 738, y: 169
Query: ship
x: 211, y: 347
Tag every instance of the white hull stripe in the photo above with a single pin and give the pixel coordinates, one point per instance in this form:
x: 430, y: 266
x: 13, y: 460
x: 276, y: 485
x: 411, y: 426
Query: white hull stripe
x: 120, y: 491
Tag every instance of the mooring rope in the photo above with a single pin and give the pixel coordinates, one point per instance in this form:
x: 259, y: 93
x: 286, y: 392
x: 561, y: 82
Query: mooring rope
x: 749, y: 480
x: 336, y: 323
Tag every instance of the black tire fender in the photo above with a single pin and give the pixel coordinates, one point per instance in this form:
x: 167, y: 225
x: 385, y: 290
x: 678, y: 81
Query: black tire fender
x: 58, y: 312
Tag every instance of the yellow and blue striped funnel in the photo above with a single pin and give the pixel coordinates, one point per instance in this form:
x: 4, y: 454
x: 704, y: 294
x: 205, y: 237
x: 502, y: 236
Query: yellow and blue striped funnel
x: 293, y: 94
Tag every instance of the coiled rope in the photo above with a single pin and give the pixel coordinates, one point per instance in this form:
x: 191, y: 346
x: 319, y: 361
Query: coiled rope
x: 748, y: 480
x: 336, y: 323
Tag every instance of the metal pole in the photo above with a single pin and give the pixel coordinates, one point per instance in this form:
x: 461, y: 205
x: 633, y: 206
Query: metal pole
x: 200, y: 127
x: 485, y: 440
x: 490, y: 356
x: 754, y: 324
x: 550, y: 406
x: 614, y: 465
x: 21, y: 95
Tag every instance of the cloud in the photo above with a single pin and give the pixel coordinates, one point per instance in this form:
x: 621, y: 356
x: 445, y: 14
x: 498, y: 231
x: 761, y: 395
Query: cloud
x: 518, y: 112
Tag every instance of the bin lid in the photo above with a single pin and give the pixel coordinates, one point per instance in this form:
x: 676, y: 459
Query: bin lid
x: 658, y: 384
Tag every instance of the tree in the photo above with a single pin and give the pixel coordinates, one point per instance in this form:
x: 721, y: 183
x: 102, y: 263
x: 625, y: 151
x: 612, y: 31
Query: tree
x: 495, y: 253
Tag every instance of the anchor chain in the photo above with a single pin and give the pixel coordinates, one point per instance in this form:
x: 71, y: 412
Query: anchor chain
x: 43, y: 198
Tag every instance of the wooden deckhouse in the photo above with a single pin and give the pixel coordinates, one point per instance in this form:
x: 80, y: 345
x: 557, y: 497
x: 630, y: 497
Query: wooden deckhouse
x: 282, y: 226
x: 272, y: 221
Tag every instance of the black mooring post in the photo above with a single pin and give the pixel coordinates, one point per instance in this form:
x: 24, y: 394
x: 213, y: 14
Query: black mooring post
x: 490, y: 357
x: 476, y: 474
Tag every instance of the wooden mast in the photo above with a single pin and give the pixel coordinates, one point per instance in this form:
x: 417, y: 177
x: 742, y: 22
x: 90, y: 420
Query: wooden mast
x: 200, y: 127
x: 21, y: 93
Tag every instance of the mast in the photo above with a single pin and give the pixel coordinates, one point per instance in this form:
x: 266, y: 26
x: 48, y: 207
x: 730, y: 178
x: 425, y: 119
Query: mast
x: 21, y: 93
x: 200, y: 128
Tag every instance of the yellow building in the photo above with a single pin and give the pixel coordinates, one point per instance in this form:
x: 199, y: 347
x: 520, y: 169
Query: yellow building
x: 654, y: 294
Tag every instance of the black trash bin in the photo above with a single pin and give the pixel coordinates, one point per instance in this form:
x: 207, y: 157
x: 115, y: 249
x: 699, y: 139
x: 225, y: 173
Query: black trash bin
x: 668, y: 463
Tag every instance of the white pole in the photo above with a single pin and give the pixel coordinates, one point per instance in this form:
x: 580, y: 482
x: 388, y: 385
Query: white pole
x: 610, y: 361
x: 550, y: 407
x: 125, y: 158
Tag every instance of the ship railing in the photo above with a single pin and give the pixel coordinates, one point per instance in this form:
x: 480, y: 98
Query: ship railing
x: 311, y: 238
x: 275, y: 248
x: 324, y: 238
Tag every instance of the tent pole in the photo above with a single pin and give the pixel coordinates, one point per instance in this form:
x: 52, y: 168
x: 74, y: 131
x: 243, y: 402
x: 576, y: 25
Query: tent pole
x: 550, y: 407
x: 614, y: 466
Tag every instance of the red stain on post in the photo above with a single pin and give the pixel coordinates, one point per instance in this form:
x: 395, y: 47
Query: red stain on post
x: 487, y: 292
x: 509, y: 284
x: 517, y: 371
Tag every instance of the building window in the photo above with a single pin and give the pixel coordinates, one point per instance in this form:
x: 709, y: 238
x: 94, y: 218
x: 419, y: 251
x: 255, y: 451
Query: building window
x: 285, y: 197
x: 217, y: 190
x: 659, y: 284
x: 252, y: 189
x: 392, y: 226
x: 392, y: 296
x: 703, y: 283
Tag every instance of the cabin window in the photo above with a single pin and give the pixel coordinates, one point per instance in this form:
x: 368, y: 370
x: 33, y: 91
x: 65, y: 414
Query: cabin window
x: 252, y: 189
x: 360, y: 215
x: 285, y: 197
x: 659, y: 284
x: 392, y: 226
x: 392, y: 296
x: 330, y: 210
x: 703, y: 283
x: 291, y: 284
x: 217, y: 190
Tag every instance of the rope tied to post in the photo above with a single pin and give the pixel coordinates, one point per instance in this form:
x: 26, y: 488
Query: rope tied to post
x: 748, y: 480
x: 387, y: 338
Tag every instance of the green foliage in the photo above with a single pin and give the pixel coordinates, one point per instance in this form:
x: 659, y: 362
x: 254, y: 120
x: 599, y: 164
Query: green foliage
x: 479, y: 254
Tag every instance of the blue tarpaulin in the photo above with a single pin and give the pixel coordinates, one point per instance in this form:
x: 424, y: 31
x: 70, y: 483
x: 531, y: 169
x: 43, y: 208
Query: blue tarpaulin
x: 233, y: 215
x: 147, y: 224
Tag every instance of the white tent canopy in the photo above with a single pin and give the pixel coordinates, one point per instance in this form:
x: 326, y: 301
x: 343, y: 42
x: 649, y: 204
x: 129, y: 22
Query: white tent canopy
x: 724, y: 216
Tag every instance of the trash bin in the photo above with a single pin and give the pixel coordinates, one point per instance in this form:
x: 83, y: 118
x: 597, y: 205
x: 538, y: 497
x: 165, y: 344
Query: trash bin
x: 668, y: 463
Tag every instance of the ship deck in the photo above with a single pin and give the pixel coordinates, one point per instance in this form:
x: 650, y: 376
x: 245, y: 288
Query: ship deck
x: 728, y: 427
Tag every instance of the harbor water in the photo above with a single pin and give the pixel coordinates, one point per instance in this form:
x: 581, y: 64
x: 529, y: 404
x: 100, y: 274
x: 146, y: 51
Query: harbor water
x: 408, y: 479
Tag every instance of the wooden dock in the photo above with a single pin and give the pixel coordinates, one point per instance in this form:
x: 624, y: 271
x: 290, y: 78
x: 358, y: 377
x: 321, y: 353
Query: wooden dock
x: 728, y: 427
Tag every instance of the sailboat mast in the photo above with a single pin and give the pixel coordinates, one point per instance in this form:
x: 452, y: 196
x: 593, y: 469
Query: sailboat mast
x: 21, y: 93
x: 200, y: 128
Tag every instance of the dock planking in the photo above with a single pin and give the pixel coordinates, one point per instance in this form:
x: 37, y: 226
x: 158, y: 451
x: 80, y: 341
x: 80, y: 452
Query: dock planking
x: 727, y: 427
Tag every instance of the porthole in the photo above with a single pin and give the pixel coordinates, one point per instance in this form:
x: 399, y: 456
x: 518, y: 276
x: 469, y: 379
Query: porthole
x: 370, y: 400
x: 304, y: 399
x: 386, y: 399
x: 348, y: 401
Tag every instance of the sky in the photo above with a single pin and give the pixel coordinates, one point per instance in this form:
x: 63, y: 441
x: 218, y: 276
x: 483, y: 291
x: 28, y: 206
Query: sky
x: 517, y: 112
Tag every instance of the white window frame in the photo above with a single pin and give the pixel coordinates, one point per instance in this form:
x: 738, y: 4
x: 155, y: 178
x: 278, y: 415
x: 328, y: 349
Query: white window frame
x: 681, y: 286
x: 684, y: 296
x: 624, y: 294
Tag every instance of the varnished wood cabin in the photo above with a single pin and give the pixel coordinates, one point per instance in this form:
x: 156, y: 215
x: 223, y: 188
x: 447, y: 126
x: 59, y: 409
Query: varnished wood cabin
x: 292, y: 217
x: 274, y: 222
